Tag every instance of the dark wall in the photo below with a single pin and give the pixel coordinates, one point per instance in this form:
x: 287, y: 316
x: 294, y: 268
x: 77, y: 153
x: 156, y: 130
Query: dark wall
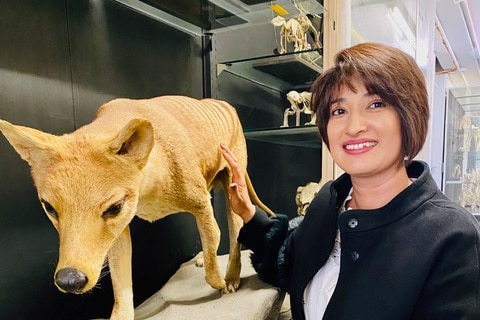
x: 59, y: 61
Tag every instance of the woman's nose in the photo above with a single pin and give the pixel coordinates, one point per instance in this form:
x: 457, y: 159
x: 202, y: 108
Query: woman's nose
x: 356, y: 123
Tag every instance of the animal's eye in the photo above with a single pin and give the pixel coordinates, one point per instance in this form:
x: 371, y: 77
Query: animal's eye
x: 113, y: 210
x: 49, y: 209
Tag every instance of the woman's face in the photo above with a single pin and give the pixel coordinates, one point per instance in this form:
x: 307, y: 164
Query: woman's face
x: 363, y: 132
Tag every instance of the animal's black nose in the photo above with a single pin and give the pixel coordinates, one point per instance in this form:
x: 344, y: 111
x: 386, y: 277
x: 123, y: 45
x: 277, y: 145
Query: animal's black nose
x: 70, y: 280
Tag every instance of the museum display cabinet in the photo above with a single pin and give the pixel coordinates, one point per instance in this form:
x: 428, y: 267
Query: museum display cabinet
x: 462, y: 148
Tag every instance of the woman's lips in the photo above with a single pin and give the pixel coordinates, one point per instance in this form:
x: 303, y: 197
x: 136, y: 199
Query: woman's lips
x: 357, y: 147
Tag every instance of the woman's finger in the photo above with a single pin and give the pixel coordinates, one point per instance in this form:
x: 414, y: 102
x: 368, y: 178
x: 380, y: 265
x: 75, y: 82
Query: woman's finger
x: 229, y: 156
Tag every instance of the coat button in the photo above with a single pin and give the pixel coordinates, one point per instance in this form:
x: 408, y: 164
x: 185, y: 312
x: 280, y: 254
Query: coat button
x: 353, y: 223
x: 355, y: 256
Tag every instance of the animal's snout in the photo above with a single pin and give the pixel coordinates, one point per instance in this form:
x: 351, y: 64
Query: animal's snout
x: 70, y: 280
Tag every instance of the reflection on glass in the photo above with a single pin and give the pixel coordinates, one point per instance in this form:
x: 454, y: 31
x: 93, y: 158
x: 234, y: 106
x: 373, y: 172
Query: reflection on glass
x: 390, y: 22
x: 462, y: 149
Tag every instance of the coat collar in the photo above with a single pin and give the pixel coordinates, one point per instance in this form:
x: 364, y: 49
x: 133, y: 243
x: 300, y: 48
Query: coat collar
x: 407, y: 201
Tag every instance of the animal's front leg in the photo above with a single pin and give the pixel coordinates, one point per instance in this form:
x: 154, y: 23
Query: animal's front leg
x: 120, y: 263
x: 210, y: 238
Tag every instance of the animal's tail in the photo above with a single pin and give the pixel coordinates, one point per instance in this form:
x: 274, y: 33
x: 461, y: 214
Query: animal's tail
x: 255, y: 199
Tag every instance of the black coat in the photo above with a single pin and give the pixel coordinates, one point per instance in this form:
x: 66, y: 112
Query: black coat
x: 418, y: 257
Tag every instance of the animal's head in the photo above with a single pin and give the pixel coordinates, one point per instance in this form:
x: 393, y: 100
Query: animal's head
x: 305, y: 195
x: 88, y: 185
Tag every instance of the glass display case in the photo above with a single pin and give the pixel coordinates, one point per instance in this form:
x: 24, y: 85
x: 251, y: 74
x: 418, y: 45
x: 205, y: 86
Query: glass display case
x: 462, y: 148
x: 405, y: 24
x: 286, y: 78
x: 269, y: 89
x: 258, y: 66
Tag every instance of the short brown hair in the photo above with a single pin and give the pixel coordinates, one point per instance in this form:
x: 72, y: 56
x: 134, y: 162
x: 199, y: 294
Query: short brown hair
x: 386, y: 71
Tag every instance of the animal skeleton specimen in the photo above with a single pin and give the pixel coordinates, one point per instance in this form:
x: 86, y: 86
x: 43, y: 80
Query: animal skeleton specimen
x: 295, y: 30
x: 470, y: 194
x: 299, y: 102
x: 305, y: 195
x: 470, y: 132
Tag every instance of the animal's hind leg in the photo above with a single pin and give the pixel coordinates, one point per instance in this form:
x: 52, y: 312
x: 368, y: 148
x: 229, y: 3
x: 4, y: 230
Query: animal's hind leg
x: 210, y: 238
x: 232, y: 277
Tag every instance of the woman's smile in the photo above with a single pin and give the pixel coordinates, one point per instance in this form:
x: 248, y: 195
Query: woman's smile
x: 359, y: 147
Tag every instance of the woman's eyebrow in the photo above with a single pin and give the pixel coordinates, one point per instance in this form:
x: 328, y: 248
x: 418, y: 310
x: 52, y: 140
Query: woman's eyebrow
x: 368, y: 94
x: 336, y: 100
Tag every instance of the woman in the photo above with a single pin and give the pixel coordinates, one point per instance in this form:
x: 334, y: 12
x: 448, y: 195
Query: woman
x: 381, y: 241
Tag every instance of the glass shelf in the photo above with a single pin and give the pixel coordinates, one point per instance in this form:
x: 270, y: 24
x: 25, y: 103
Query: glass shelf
x: 290, y: 71
x: 304, y: 136
x: 237, y: 13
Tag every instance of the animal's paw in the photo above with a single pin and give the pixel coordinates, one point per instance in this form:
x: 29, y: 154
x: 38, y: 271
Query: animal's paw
x: 199, y: 262
x: 216, y: 283
x: 231, y: 286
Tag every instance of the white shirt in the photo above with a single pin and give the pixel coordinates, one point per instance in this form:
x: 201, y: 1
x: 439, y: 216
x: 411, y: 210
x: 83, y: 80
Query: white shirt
x: 319, y: 291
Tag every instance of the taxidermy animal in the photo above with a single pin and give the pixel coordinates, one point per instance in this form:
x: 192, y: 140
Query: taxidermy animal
x: 149, y: 158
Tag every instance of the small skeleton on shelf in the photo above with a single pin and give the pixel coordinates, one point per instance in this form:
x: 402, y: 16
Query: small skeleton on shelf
x: 476, y: 138
x: 470, y: 194
x: 465, y: 123
x: 296, y: 31
x: 469, y: 133
x: 299, y: 102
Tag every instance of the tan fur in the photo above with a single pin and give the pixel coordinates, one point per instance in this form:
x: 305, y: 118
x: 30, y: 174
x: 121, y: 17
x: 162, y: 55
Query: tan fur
x: 149, y: 158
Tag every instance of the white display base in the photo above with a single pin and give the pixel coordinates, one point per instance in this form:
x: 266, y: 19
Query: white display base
x: 186, y: 296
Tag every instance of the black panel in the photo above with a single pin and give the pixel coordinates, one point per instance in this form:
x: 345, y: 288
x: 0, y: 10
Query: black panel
x: 34, y: 64
x: 35, y: 90
x: 252, y: 2
x: 192, y: 11
x: 277, y: 170
x: 141, y: 58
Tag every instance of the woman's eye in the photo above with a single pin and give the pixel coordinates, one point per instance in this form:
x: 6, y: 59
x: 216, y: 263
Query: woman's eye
x: 337, y: 111
x: 49, y: 209
x: 377, y: 104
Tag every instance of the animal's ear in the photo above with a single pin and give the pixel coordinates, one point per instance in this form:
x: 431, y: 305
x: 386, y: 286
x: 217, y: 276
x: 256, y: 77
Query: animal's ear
x: 32, y: 145
x: 135, y: 140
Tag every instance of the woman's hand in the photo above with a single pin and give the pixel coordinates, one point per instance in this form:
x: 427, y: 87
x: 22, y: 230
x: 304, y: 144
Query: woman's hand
x: 238, y: 191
